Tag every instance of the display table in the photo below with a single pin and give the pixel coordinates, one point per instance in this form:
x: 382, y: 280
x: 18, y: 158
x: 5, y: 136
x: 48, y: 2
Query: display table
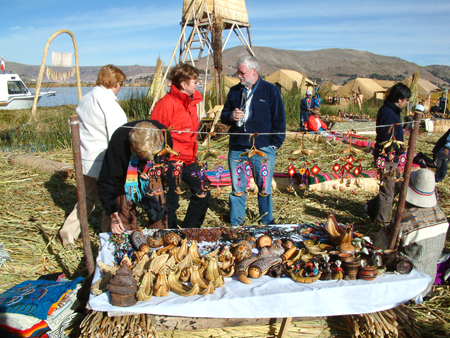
x: 267, y: 297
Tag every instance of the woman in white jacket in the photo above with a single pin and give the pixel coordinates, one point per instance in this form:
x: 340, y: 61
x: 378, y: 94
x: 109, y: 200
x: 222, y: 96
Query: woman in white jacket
x: 99, y: 115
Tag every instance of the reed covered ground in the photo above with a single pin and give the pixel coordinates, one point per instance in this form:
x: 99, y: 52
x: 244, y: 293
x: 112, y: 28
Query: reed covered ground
x: 34, y: 206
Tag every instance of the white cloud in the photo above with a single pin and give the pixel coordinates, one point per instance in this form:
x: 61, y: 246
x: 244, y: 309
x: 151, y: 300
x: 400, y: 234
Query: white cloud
x: 16, y: 28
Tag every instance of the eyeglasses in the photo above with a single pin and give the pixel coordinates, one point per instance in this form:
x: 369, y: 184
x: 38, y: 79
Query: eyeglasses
x: 242, y: 73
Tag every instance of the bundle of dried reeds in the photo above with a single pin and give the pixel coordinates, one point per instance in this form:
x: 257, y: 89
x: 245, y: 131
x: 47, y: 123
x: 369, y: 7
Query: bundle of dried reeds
x: 98, y: 324
x: 396, y: 322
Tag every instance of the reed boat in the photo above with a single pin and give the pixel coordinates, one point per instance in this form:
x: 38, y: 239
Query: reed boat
x: 14, y: 94
x: 336, y: 233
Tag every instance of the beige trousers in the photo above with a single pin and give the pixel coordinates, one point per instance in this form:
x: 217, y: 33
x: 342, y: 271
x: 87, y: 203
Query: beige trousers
x: 71, y: 229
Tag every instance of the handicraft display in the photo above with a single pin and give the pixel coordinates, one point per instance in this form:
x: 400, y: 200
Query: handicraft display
x: 190, y: 262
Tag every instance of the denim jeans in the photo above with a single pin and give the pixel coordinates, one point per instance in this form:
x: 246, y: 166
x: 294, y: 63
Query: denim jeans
x: 198, y: 207
x: 238, y: 194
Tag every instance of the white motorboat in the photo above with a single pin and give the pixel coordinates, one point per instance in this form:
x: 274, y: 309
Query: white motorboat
x: 15, y: 95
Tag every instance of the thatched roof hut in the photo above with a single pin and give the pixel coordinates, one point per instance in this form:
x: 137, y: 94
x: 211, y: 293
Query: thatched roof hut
x: 228, y: 83
x: 367, y: 87
x: 285, y: 79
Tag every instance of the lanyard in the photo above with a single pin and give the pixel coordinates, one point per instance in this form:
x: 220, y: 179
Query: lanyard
x: 246, y: 98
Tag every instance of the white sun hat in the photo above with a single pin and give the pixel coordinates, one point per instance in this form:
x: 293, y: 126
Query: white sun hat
x: 421, y: 189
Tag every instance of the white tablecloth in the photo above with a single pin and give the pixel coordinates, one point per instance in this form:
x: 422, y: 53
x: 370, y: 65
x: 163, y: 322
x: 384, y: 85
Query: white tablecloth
x: 267, y: 297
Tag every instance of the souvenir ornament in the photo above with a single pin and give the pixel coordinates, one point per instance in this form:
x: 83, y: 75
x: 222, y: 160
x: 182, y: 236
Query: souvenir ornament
x: 300, y: 150
x: 218, y: 176
x: 165, y: 175
x: 315, y: 170
x: 291, y: 172
x: 264, y: 173
x: 402, y: 160
x: 166, y: 149
x: 209, y: 152
x: 158, y: 174
x: 350, y: 148
x: 248, y: 174
x: 336, y: 168
x: 239, y: 170
x: 204, y: 187
x: 348, y: 167
x: 253, y: 151
x: 350, y: 159
x: 176, y: 173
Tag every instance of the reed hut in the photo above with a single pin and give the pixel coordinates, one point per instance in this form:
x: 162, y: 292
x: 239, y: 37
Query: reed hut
x: 424, y: 90
x: 368, y: 88
x: 286, y: 79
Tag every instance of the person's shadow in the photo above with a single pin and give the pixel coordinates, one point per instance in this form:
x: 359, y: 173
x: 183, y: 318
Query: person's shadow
x: 64, y: 195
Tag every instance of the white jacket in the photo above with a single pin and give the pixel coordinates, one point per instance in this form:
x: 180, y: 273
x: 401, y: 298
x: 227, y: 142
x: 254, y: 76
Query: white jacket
x: 100, y: 115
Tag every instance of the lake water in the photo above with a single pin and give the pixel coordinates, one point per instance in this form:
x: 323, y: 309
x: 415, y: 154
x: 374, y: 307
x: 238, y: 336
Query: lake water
x: 69, y: 95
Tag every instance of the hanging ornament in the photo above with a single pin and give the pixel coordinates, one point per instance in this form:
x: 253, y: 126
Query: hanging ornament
x: 152, y: 174
x: 348, y: 167
x: 291, y: 172
x: 402, y: 160
x: 248, y: 175
x: 253, y: 151
x: 391, y: 156
x: 264, y: 174
x: 176, y: 173
x: 158, y: 174
x: 239, y: 170
x: 167, y: 149
x: 218, y: 176
x: 336, y: 168
x: 350, y: 159
x: 315, y: 170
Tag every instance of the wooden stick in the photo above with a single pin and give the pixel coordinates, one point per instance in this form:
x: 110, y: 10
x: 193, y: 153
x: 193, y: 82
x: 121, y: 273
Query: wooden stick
x: 395, y: 229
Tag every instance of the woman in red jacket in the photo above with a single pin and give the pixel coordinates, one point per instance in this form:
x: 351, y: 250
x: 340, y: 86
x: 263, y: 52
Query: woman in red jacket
x: 314, y: 122
x: 178, y: 109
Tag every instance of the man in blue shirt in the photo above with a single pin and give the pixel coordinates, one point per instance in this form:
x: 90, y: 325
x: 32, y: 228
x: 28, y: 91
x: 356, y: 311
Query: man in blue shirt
x: 253, y: 107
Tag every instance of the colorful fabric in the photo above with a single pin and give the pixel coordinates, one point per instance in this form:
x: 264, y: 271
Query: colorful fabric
x: 422, y: 223
x: 225, y: 178
x: 133, y: 188
x: 37, y: 298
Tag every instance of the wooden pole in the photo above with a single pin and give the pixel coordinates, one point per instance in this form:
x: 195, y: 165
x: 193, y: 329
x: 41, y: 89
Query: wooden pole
x: 41, y: 71
x: 402, y: 197
x: 81, y: 192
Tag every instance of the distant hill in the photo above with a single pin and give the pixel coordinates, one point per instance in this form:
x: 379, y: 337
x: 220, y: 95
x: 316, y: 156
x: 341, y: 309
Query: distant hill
x: 337, y: 65
x: 87, y: 74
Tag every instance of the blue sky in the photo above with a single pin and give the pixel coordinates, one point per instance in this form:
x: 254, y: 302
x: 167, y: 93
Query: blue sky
x: 137, y: 32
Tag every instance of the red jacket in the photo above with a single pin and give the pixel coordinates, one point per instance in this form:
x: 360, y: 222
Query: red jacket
x: 312, y: 124
x: 179, y: 111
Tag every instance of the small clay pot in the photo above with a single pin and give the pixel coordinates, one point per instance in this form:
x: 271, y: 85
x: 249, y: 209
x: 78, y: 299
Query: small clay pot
x: 389, y: 257
x: 403, y: 265
x: 351, y: 269
x: 367, y: 273
x: 347, y: 248
x: 334, y: 255
x: 342, y: 256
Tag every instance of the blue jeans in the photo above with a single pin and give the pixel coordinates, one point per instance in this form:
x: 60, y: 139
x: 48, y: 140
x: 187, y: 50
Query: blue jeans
x: 238, y: 194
